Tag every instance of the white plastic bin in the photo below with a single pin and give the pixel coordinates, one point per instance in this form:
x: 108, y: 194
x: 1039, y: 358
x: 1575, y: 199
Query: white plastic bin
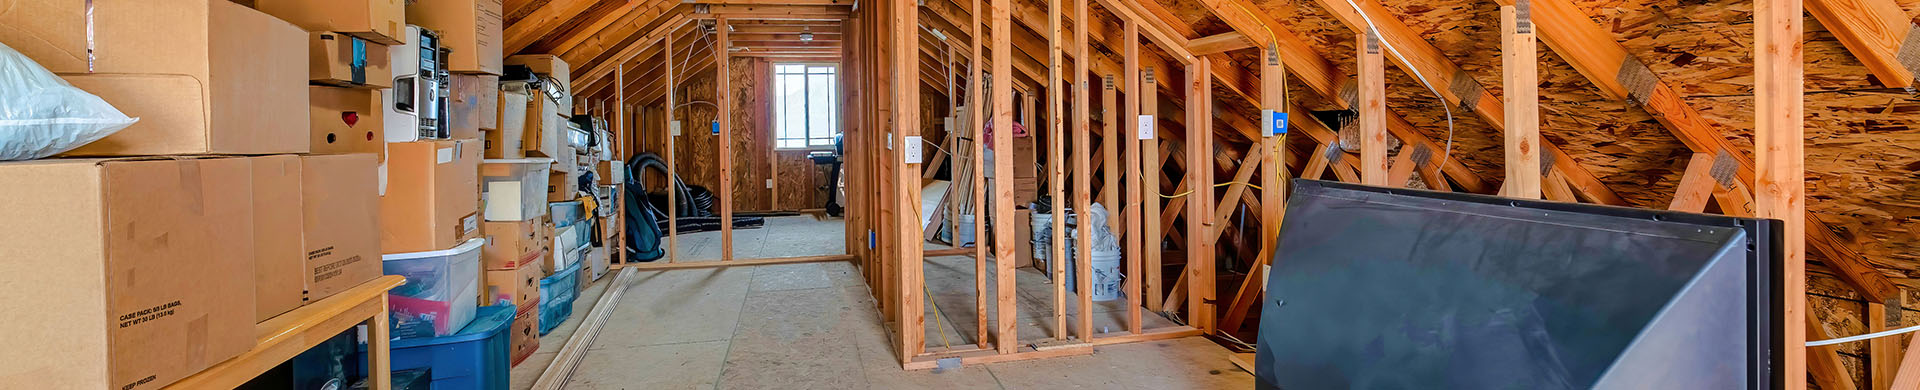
x: 515, y: 189
x: 442, y: 289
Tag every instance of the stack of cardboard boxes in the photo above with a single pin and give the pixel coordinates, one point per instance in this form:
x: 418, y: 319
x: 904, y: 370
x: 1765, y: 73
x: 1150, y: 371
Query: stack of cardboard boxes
x: 150, y: 255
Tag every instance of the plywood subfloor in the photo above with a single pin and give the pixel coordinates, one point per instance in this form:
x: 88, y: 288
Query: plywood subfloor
x: 815, y: 325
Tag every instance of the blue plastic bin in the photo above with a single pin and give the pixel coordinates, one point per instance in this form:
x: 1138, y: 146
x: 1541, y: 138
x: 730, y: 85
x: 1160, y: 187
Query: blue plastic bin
x: 476, y: 357
x: 556, y: 297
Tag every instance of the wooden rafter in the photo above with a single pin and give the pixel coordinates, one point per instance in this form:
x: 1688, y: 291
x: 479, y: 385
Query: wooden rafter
x: 1422, y: 57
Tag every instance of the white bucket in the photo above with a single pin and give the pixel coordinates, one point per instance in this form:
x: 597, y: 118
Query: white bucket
x: 963, y: 236
x: 1106, y: 275
x: 1042, y: 236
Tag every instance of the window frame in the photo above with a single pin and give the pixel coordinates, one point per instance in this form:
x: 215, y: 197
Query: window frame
x: 837, y: 126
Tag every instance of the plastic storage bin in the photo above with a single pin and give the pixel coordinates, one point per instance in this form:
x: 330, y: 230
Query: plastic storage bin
x: 442, y: 289
x: 556, y: 298
x: 474, y: 358
x: 567, y: 213
x: 515, y: 189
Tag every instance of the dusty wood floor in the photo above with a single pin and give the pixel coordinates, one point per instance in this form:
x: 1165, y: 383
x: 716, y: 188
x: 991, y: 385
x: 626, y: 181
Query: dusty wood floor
x: 815, y: 326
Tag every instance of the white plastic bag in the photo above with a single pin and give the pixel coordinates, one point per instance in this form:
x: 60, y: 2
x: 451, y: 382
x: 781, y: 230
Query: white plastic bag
x: 41, y: 115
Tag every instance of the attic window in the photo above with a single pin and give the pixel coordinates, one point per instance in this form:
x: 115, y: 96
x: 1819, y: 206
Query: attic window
x: 806, y: 106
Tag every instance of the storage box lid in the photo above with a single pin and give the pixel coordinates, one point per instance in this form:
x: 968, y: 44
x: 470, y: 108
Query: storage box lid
x: 487, y: 321
x: 471, y: 245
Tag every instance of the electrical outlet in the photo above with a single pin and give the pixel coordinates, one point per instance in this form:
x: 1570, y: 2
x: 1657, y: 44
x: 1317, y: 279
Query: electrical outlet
x: 674, y: 128
x: 769, y: 183
x: 1146, y: 127
x: 1276, y: 122
x: 912, y: 149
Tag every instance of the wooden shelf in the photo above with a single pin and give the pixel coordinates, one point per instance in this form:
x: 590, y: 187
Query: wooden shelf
x: 281, y: 338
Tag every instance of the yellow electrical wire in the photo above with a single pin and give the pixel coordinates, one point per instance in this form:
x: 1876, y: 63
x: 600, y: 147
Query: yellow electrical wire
x: 937, y: 317
x: 1282, y: 141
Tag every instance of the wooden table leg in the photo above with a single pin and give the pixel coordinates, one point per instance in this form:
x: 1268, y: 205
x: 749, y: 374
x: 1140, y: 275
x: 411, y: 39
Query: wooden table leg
x: 379, y: 344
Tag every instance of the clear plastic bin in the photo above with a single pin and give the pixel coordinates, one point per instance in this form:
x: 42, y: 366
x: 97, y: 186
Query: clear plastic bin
x: 442, y: 289
x: 567, y: 213
x: 515, y: 189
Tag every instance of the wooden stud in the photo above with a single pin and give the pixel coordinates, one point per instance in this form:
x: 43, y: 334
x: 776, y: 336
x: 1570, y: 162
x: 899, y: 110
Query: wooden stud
x: 1373, y: 110
x: 975, y: 102
x: 1520, y: 78
x: 1273, y: 96
x: 1136, y: 158
x: 724, y: 114
x: 673, y: 197
x: 1007, y: 309
x: 1219, y: 43
x: 1056, y: 169
x: 1200, y: 240
x: 1083, y: 176
x: 1883, y: 354
x: 1779, y: 140
x: 906, y: 124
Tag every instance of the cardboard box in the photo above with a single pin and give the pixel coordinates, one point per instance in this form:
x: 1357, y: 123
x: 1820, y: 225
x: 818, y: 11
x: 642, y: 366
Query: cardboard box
x: 505, y: 140
x: 346, y: 120
x: 277, y: 227
x: 432, y: 200
x: 545, y: 128
x: 526, y: 334
x: 511, y: 245
x: 340, y: 209
x: 343, y: 60
x: 518, y: 287
x: 382, y: 21
x: 560, y: 186
x: 471, y: 28
x: 475, y: 105
x: 203, y: 76
x: 124, y: 273
x: 553, y: 67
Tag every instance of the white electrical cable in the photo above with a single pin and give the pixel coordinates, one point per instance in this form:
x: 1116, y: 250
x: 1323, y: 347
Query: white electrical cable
x: 1873, y: 335
x: 1448, y: 152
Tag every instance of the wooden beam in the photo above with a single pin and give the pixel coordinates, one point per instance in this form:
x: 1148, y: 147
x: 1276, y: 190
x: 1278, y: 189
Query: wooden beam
x: 906, y: 123
x: 1373, y: 109
x: 1823, y: 362
x: 1083, y: 176
x: 1056, y: 170
x: 1200, y: 241
x: 1909, y: 371
x: 1007, y: 338
x: 1696, y: 186
x: 1219, y: 43
x: 974, y: 104
x: 1137, y: 149
x: 1878, y: 32
x: 1520, y: 79
x: 1883, y: 353
x: 1151, y: 170
x: 1779, y: 140
x: 674, y: 129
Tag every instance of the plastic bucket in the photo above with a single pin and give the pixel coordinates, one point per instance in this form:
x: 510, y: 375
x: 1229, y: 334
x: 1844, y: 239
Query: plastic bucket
x: 963, y: 234
x: 1106, y: 275
x: 1042, y: 236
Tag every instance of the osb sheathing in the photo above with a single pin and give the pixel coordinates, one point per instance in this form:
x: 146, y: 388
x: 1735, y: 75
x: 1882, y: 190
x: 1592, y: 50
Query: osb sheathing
x: 1863, y: 142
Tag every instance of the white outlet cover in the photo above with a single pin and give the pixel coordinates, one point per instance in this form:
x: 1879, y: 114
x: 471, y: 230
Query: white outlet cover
x: 912, y: 149
x: 769, y: 183
x: 674, y: 127
x: 1146, y: 127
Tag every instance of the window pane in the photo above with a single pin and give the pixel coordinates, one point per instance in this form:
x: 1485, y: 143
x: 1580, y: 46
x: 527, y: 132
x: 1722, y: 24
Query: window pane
x: 790, y: 68
x: 820, y: 106
x: 792, y: 118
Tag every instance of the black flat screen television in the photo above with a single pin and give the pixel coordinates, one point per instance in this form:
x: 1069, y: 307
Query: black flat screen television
x: 1386, y: 288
